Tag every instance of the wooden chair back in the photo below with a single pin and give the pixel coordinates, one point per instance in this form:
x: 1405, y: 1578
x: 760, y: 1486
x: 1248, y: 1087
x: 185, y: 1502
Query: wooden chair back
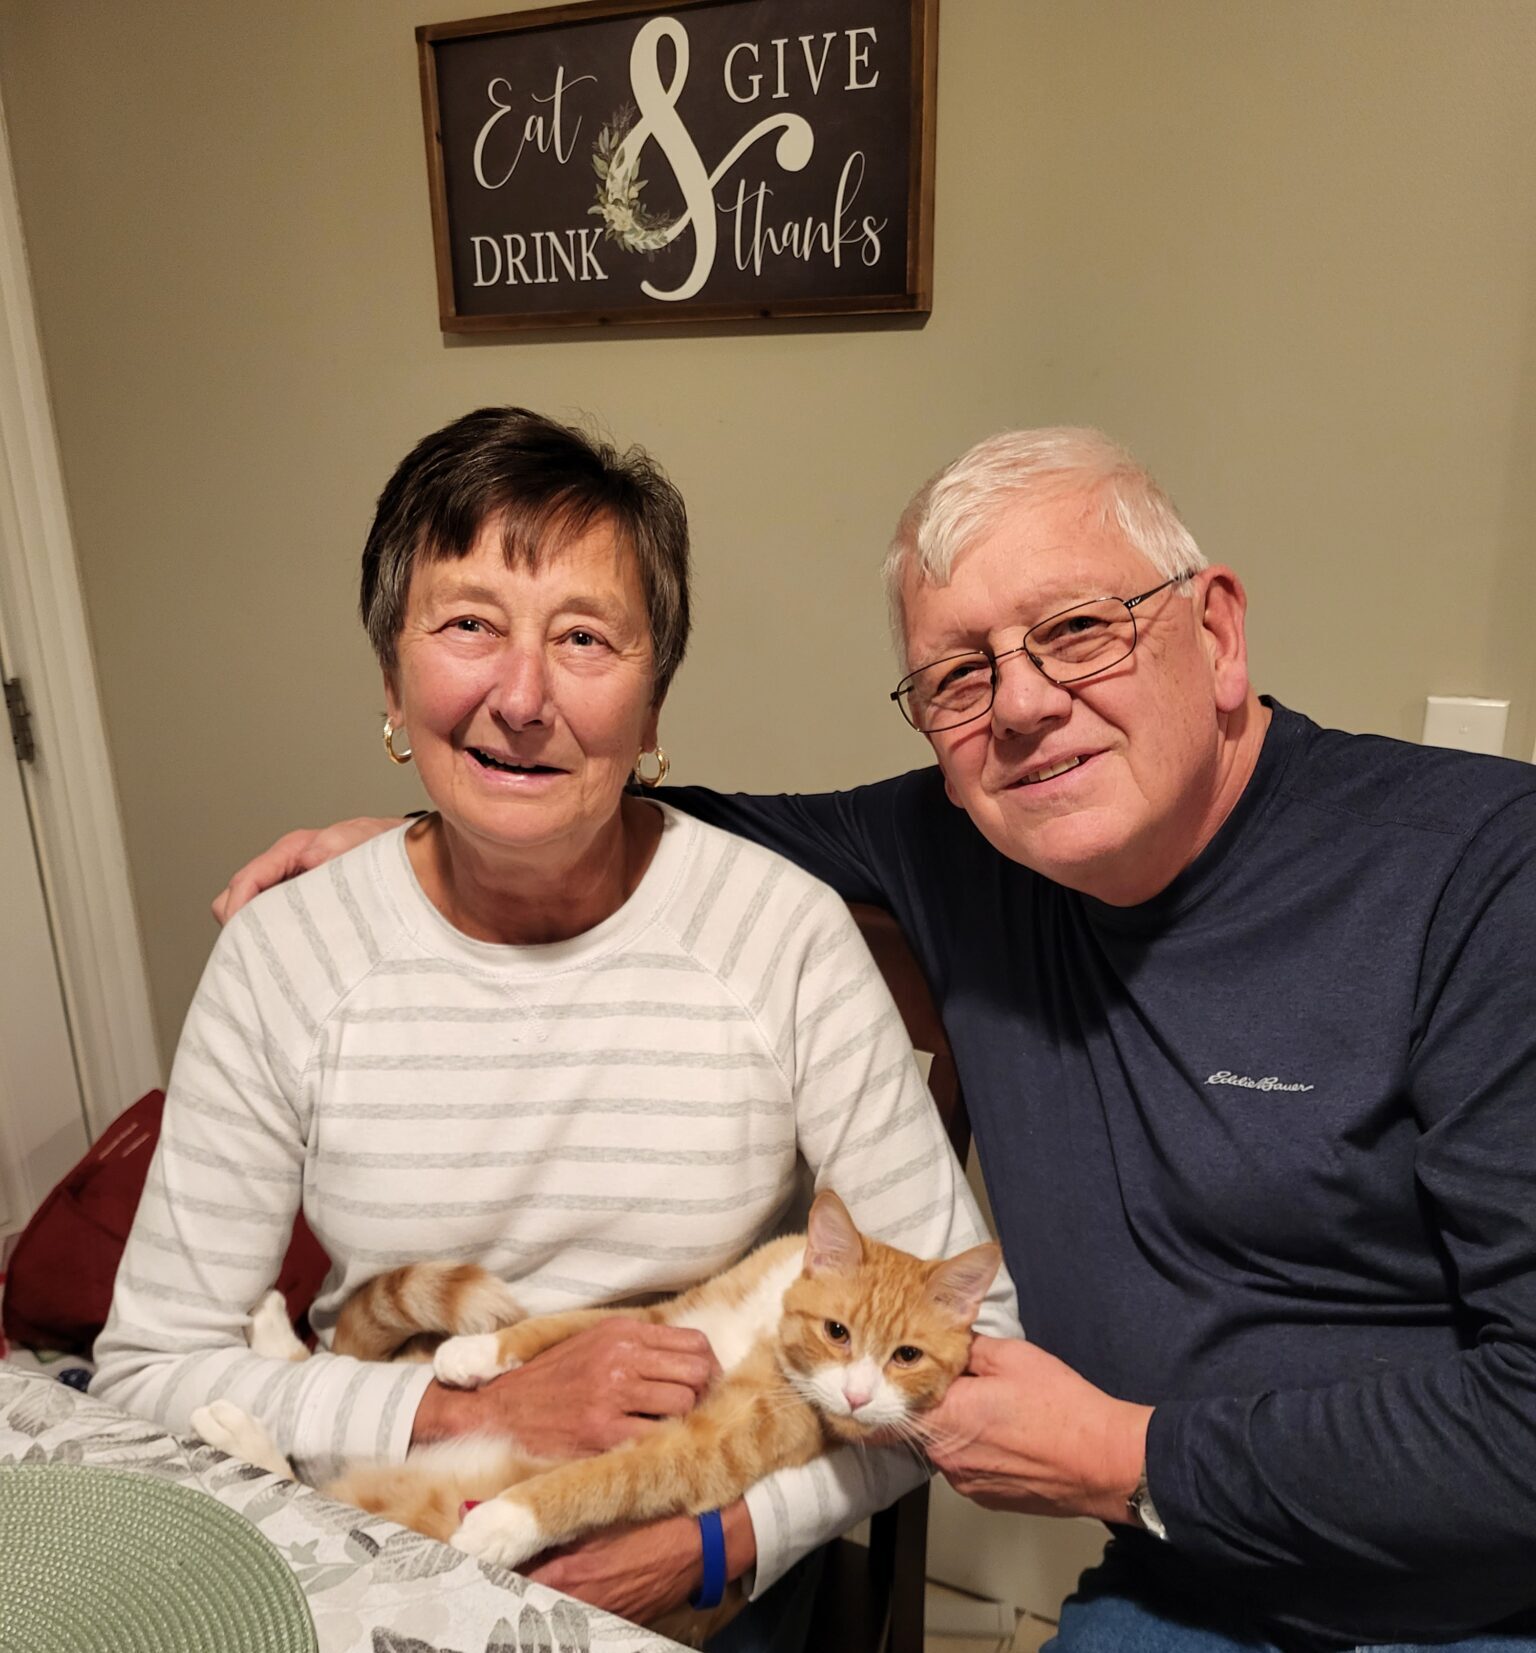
x: 919, y: 1014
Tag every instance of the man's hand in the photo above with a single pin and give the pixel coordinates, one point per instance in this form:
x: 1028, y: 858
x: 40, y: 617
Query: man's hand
x: 642, y: 1572
x: 1019, y: 1430
x: 293, y: 853
x: 606, y: 1385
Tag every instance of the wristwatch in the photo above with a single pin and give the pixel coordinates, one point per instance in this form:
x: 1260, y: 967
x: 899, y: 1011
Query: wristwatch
x: 1142, y: 1511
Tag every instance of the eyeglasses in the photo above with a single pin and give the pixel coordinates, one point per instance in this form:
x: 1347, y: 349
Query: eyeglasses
x: 1080, y: 642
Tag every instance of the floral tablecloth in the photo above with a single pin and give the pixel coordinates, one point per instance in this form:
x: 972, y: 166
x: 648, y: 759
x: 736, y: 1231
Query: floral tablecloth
x: 373, y: 1587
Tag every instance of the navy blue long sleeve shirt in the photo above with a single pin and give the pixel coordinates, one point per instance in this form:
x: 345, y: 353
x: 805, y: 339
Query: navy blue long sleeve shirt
x: 1262, y: 1153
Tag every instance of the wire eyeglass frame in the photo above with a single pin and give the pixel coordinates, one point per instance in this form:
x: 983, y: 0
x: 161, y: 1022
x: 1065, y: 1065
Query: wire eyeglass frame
x: 902, y: 693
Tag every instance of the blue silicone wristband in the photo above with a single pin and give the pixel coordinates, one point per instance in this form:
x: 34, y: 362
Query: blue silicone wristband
x: 711, y: 1591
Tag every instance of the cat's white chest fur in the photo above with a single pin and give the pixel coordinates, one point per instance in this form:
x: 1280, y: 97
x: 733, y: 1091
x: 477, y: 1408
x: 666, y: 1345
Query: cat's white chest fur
x: 733, y: 1328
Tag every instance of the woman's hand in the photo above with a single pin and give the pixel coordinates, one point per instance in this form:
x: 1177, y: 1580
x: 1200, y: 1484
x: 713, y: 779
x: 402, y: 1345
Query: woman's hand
x: 607, y: 1384
x: 645, y: 1571
x: 637, y: 1572
x: 1020, y: 1430
x: 293, y: 853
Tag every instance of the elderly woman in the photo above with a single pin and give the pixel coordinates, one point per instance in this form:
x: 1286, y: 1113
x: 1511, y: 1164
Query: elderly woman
x: 552, y: 1027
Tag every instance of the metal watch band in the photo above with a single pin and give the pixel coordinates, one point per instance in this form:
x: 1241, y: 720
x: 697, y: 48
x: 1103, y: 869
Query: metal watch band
x: 1143, y: 1511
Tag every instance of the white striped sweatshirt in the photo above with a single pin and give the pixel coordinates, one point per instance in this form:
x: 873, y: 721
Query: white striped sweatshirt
x: 618, y: 1115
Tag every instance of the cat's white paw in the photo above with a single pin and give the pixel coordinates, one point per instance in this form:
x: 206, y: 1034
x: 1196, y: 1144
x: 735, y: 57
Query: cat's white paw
x: 467, y: 1362
x: 500, y: 1531
x: 270, y: 1332
x: 223, y: 1425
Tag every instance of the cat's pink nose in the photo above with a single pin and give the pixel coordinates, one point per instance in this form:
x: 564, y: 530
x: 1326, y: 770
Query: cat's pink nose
x: 856, y: 1398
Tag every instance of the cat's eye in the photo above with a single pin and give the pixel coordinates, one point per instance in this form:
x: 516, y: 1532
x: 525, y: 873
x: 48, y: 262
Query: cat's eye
x: 837, y: 1331
x: 906, y: 1355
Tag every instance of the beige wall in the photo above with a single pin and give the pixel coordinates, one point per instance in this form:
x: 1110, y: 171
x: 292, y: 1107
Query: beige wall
x: 1285, y: 250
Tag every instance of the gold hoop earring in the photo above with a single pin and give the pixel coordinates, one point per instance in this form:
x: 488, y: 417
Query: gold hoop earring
x: 663, y: 764
x: 390, y: 731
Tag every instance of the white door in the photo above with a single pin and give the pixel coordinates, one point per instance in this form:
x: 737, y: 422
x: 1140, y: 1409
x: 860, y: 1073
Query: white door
x: 42, y: 1119
x: 68, y: 934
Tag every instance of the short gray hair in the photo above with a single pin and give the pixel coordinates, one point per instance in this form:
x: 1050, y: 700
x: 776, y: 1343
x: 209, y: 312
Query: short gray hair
x: 961, y: 502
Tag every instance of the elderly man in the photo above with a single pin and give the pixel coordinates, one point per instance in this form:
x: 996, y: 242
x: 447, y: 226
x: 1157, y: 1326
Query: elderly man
x: 1245, y: 1011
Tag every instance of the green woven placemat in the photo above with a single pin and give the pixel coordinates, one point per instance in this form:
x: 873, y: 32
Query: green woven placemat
x: 107, y: 1559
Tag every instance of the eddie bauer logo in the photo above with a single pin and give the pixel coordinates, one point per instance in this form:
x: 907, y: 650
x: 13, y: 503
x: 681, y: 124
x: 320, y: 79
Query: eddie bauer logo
x: 1268, y: 1083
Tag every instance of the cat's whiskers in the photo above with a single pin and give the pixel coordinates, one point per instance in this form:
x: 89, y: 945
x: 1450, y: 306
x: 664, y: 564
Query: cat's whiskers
x: 788, y: 1400
x: 923, y: 1430
x: 908, y: 1432
x: 803, y: 1389
x: 935, y: 1439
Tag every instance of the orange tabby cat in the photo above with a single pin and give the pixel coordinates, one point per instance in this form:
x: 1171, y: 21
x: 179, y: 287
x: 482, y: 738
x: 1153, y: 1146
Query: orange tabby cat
x: 824, y: 1338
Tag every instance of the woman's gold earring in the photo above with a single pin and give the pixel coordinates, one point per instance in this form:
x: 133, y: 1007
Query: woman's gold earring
x: 390, y: 731
x: 663, y: 764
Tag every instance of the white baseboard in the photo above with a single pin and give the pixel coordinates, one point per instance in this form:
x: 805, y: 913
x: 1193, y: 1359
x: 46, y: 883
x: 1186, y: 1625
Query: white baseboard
x: 973, y: 1618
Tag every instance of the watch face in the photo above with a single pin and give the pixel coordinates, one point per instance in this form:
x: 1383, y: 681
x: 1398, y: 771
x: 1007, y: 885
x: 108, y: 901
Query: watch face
x: 1146, y: 1511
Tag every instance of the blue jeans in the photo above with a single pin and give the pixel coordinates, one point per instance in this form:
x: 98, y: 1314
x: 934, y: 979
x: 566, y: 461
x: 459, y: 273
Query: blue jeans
x: 1104, y: 1616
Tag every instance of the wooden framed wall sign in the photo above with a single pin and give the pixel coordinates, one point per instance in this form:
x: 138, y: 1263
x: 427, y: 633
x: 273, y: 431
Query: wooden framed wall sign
x: 704, y: 160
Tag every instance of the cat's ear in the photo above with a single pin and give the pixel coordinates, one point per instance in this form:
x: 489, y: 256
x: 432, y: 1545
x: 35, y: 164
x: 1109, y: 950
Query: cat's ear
x: 832, y: 1243
x: 959, y: 1284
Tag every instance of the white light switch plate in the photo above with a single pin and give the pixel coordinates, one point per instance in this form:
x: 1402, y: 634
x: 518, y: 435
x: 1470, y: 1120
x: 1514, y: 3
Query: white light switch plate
x: 1466, y: 722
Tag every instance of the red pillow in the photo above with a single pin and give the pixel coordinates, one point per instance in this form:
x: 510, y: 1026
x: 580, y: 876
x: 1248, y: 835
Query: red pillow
x: 59, y: 1283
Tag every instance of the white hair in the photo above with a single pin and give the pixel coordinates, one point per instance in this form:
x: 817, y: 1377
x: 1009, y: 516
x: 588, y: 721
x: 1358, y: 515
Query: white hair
x: 952, y: 510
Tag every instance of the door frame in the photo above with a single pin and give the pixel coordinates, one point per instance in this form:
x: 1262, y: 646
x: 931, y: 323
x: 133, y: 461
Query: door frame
x: 45, y: 640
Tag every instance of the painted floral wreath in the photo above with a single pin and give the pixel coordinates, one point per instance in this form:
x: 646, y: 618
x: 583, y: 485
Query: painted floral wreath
x: 625, y: 217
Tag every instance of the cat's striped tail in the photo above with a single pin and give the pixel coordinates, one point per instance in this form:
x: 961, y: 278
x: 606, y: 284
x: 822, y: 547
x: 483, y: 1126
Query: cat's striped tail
x: 422, y: 1299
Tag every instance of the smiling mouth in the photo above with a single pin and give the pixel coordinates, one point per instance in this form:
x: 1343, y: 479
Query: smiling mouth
x: 1048, y: 774
x: 487, y: 761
